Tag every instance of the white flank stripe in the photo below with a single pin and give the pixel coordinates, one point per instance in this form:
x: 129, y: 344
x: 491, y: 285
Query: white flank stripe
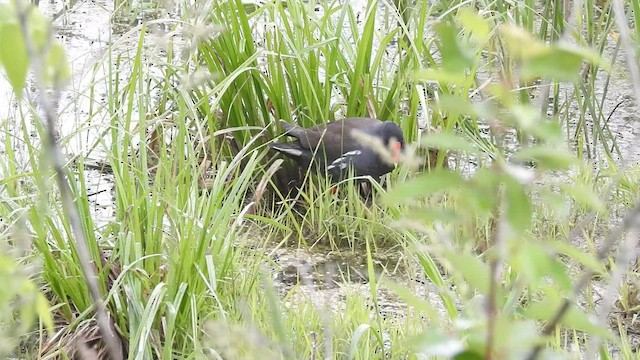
x: 343, y: 161
x: 343, y: 165
x: 352, y: 153
x: 346, y: 155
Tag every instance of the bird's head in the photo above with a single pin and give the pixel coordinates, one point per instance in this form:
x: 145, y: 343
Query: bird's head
x: 393, y: 139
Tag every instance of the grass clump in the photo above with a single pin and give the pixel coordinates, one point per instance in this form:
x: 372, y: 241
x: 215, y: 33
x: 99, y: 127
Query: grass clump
x: 510, y: 246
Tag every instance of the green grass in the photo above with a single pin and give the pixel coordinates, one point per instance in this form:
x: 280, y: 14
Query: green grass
x: 186, y: 265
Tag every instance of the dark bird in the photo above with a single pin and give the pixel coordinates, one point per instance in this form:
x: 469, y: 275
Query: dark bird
x: 369, y: 146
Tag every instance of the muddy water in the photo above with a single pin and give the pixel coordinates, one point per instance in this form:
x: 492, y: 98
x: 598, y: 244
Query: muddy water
x: 84, y: 31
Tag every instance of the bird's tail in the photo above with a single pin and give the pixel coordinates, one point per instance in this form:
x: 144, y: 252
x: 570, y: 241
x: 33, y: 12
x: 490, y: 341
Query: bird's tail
x: 291, y: 130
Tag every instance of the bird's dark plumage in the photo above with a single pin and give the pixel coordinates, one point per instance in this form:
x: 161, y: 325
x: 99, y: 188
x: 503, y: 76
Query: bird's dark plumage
x: 335, y: 146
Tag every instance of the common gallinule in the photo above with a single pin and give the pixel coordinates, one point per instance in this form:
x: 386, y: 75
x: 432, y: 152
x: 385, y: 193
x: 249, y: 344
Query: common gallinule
x: 339, y: 145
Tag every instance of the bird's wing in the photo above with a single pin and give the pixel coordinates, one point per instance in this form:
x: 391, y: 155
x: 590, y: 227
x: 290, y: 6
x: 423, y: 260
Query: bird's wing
x: 333, y: 138
x: 342, y: 163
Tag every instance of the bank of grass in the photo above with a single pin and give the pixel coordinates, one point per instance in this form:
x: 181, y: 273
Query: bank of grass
x: 178, y: 273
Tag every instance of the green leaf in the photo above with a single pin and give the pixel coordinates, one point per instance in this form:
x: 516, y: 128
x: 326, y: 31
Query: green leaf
x: 574, y: 318
x: 426, y: 183
x: 558, y: 273
x: 586, y: 54
x: 534, y: 264
x: 441, y: 76
x: 431, y: 215
x: 546, y: 157
x: 548, y: 131
x: 44, y: 312
x: 513, y: 336
x: 584, y: 258
x: 502, y: 94
x: 475, y: 24
x: 556, y: 205
x: 456, y: 56
x: 57, y: 69
x: 455, y: 104
x: 448, y: 141
x: 479, y: 195
x: 519, y: 173
x: 433, y: 342
x: 584, y: 195
x: 13, y: 55
x: 526, y: 117
x: 518, y: 209
x: 39, y: 27
x: 553, y: 63
x: 417, y: 303
x: 475, y: 272
x: 519, y: 42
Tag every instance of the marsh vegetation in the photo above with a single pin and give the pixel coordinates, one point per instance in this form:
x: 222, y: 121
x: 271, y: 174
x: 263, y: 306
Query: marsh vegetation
x: 143, y: 216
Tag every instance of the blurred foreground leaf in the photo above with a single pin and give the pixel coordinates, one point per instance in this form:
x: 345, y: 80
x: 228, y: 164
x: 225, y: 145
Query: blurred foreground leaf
x: 574, y: 318
x: 547, y: 158
x: 425, y: 184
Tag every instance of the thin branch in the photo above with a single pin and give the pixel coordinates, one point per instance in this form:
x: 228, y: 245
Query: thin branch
x: 48, y: 105
x: 496, y: 266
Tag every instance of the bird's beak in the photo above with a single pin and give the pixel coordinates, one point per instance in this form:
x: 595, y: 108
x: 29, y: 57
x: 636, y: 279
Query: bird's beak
x: 396, y: 151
